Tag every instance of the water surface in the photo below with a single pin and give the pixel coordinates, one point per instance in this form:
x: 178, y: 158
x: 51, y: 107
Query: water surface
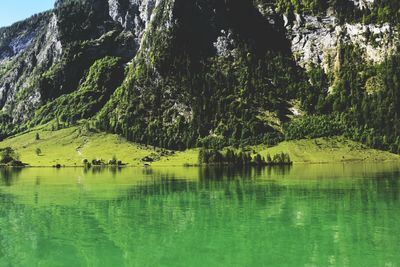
x: 308, y: 215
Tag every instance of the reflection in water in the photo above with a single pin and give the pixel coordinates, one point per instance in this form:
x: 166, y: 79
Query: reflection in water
x: 324, y: 215
x: 102, y: 170
x: 7, y: 175
x: 221, y: 173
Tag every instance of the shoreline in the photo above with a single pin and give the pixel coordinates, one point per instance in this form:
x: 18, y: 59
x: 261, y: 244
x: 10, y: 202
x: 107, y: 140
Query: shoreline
x: 200, y: 166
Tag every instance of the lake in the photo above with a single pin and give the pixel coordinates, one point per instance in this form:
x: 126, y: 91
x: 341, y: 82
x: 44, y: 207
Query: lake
x: 306, y: 215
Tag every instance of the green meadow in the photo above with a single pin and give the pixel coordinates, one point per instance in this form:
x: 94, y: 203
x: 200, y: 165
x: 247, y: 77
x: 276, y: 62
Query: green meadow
x: 71, y: 146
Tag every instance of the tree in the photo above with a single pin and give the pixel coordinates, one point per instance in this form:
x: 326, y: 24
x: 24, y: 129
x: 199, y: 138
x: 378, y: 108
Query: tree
x: 269, y: 159
x: 8, y: 155
x: 258, y: 160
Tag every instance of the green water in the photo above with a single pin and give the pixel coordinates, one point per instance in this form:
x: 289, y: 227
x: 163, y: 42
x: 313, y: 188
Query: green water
x: 309, y: 215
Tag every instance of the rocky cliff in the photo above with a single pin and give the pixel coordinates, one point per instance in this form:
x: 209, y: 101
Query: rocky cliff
x: 41, y: 46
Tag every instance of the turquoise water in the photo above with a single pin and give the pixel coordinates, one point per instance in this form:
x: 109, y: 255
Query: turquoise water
x: 308, y: 215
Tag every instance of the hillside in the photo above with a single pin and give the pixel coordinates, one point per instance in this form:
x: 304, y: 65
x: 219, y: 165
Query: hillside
x: 182, y: 74
x: 328, y: 150
x: 71, y: 146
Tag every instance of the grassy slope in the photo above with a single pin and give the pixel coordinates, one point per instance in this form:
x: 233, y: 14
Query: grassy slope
x: 325, y: 150
x: 70, y: 146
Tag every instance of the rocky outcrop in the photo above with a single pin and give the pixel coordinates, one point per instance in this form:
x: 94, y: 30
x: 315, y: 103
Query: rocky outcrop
x: 315, y: 40
x: 29, y: 48
x: 133, y: 15
x: 363, y: 4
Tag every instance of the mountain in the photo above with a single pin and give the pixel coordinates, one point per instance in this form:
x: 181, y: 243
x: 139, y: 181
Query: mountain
x: 50, y: 54
x: 179, y: 73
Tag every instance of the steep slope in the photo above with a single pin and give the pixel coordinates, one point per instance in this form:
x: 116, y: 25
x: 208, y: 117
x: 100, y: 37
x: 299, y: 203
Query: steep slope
x: 350, y: 50
x: 209, y: 72
x: 50, y: 54
x: 27, y: 49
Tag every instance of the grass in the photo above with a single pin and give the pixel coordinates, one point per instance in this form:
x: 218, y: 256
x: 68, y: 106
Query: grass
x: 327, y: 150
x: 71, y: 146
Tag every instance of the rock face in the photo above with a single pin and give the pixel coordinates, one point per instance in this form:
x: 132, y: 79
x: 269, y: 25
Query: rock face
x: 316, y: 40
x: 363, y: 4
x: 31, y: 47
x: 133, y: 15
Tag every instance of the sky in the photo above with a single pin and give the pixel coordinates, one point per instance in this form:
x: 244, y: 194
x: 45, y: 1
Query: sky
x: 15, y: 10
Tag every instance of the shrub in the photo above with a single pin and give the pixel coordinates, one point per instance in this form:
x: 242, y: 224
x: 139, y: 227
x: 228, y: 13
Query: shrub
x: 97, y: 162
x: 8, y: 155
x: 281, y: 159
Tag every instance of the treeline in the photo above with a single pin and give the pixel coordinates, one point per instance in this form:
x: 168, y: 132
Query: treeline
x: 114, y: 162
x: 240, y: 158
